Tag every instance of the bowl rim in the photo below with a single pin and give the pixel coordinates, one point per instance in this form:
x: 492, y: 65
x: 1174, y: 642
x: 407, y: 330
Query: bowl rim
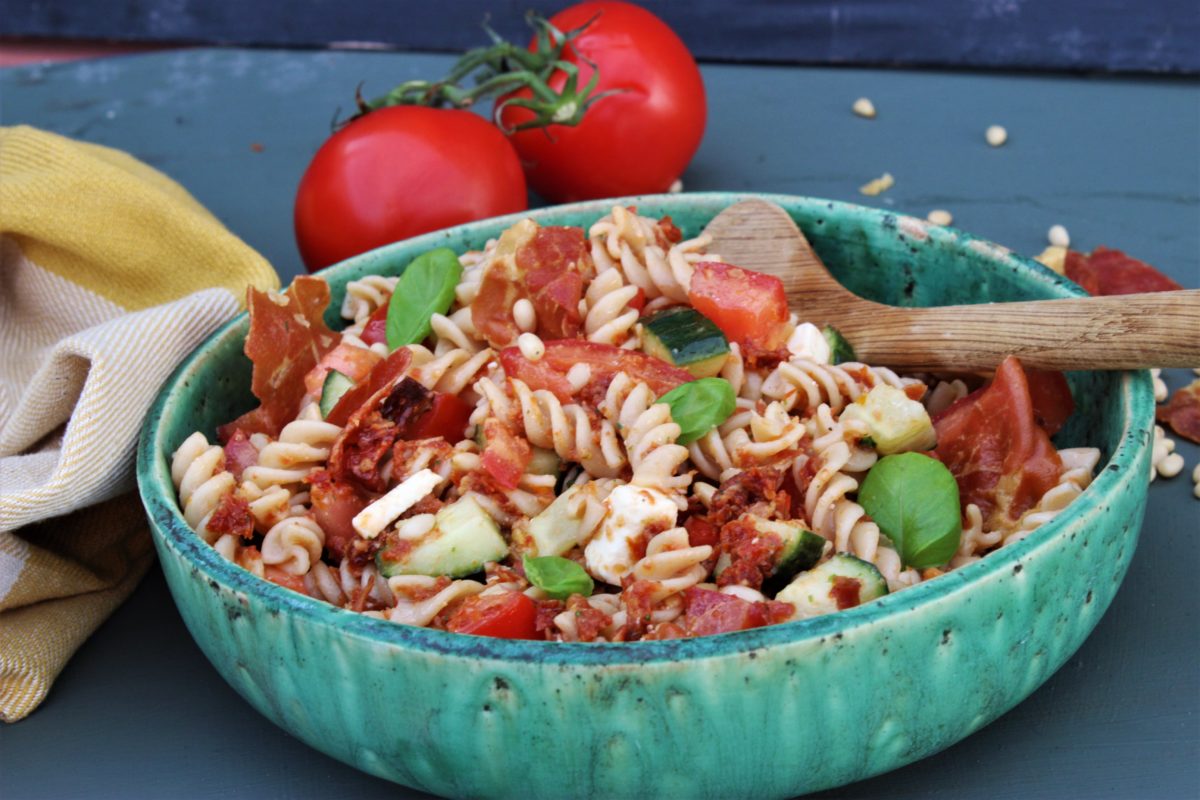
x: 171, y: 530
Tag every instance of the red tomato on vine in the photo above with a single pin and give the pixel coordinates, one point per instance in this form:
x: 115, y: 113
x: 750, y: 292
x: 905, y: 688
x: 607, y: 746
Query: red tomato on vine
x: 636, y: 140
x: 400, y: 171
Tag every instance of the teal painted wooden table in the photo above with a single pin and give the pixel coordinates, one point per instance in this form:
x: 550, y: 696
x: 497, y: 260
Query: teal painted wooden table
x: 139, y: 712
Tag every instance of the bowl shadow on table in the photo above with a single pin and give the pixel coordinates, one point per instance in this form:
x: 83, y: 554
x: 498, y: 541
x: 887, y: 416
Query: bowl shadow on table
x: 847, y: 696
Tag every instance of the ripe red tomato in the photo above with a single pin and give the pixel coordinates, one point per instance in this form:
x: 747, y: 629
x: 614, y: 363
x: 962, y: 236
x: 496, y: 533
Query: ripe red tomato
x: 634, y: 142
x: 400, y: 171
x: 749, y: 307
x: 506, y: 615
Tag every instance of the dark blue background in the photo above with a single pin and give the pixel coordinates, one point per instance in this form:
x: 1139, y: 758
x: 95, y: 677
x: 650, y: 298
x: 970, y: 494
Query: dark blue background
x: 1159, y: 36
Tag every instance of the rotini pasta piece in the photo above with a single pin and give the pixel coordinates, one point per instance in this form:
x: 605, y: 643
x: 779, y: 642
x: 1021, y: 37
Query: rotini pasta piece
x: 769, y: 434
x: 365, y: 295
x: 353, y: 338
x: 975, y: 541
x: 415, y: 606
x: 232, y: 548
x: 747, y: 383
x: 342, y: 586
x: 198, y: 471
x: 303, y: 445
x: 943, y: 395
x: 636, y: 246
x: 567, y: 430
x: 649, y: 434
x: 268, y: 506
x: 474, y: 263
x: 455, y: 332
x: 672, y: 564
x: 452, y: 372
x: 802, y: 384
x: 610, y: 319
x: 293, y: 544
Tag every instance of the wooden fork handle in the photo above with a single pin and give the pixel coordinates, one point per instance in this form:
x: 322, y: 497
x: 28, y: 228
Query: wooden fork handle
x: 1137, y: 331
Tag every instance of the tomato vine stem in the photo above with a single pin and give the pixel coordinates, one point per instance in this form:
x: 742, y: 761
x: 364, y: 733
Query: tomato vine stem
x: 502, y: 68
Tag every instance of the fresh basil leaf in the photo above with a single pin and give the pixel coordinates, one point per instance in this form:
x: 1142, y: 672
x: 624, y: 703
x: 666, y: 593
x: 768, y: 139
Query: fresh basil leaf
x: 840, y: 350
x: 699, y: 406
x: 914, y: 500
x: 557, y: 576
x: 425, y: 288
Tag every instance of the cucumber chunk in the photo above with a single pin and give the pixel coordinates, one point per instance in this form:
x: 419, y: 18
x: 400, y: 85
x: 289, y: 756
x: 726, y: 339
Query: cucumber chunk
x: 462, y: 538
x: 686, y: 338
x: 844, y: 581
x: 336, y: 384
x: 555, y: 531
x: 896, y: 422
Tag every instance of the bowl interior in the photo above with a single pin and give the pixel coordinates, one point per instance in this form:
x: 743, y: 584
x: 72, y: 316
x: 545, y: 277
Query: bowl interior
x: 883, y: 256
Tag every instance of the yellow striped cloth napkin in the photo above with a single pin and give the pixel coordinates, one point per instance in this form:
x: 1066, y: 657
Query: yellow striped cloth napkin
x: 110, y: 273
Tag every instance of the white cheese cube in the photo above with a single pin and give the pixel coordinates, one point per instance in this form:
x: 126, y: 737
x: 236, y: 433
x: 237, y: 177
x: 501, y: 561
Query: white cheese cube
x: 609, y: 554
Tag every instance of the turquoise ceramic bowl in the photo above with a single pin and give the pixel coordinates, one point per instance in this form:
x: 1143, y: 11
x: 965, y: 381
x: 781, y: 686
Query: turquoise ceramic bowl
x: 772, y: 712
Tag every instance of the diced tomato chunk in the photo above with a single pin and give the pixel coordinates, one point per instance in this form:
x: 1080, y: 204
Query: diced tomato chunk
x: 375, y: 330
x: 749, y: 307
x: 447, y: 418
x: 505, y: 615
x: 603, y: 362
x: 1001, y: 458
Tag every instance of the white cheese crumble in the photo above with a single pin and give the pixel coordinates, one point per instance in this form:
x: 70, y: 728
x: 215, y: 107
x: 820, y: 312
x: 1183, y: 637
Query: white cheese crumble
x: 374, y: 518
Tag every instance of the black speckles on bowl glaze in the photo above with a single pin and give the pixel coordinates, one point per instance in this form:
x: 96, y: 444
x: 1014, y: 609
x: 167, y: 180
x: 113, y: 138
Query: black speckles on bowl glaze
x: 879, y: 685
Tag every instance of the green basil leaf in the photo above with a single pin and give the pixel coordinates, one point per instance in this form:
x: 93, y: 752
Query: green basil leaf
x: 425, y: 288
x: 914, y: 500
x: 699, y: 406
x: 557, y: 576
x: 841, y: 350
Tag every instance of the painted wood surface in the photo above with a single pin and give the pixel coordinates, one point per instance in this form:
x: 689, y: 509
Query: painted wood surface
x: 1158, y: 36
x: 140, y: 713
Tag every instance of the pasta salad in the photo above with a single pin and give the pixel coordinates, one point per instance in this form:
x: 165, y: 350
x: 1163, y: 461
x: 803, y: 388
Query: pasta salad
x: 607, y: 435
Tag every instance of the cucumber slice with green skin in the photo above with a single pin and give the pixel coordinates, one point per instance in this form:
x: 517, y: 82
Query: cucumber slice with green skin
x: 842, y: 582
x: 463, y: 537
x: 686, y: 338
x: 336, y: 384
x: 802, y: 548
x: 840, y: 350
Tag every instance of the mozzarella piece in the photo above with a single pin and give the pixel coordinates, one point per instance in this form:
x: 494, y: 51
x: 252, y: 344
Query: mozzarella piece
x: 377, y: 516
x: 631, y: 509
x: 807, y: 341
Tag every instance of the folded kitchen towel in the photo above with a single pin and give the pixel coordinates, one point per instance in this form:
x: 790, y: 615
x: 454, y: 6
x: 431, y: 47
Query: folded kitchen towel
x: 110, y: 273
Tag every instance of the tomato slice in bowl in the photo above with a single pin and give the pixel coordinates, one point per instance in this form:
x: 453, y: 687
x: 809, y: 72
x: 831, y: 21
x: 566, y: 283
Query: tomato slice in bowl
x: 505, y: 615
x: 749, y: 307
